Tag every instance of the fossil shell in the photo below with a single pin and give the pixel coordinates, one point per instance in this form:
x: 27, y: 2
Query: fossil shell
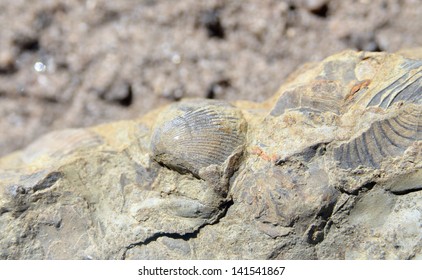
x: 324, y: 93
x: 385, y: 138
x: 195, y: 134
x: 320, y: 96
x: 389, y: 137
x: 406, y: 88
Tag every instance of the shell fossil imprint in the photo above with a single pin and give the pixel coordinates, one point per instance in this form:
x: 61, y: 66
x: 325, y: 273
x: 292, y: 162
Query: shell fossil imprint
x: 198, y: 135
x: 389, y: 137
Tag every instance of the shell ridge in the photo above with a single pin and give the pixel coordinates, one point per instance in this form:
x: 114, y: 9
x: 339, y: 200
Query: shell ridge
x: 355, y: 154
x: 377, y: 99
x: 396, y: 132
x: 405, y: 125
x: 364, y: 146
x: 403, y: 91
x: 384, y: 97
x: 377, y: 141
x: 386, y: 136
x: 201, y: 112
x: 201, y: 149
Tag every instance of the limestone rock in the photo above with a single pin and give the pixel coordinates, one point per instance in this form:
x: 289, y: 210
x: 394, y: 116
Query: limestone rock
x: 329, y: 168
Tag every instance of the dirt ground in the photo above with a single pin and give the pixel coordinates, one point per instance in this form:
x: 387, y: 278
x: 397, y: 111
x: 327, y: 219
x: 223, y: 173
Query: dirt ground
x: 76, y: 63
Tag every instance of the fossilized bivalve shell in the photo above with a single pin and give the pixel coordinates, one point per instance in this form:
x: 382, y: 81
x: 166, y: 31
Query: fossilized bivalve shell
x: 387, y: 88
x: 386, y: 138
x: 195, y: 134
x: 391, y: 136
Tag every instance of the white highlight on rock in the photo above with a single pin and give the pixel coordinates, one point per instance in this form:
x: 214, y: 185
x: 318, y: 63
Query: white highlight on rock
x: 40, y: 67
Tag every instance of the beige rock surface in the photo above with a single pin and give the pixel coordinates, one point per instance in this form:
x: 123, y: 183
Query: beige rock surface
x: 328, y: 168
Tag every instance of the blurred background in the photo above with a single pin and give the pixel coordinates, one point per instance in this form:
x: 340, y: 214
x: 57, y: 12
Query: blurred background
x: 76, y: 63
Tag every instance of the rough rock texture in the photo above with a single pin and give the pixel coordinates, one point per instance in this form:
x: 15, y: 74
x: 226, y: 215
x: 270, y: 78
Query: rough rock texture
x: 79, y: 63
x: 328, y: 168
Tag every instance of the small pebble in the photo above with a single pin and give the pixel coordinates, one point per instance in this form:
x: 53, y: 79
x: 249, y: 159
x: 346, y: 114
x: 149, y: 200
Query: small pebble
x: 40, y: 67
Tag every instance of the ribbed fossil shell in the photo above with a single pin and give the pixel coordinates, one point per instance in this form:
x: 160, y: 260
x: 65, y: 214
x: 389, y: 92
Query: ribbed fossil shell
x: 325, y: 93
x: 385, y: 138
x: 319, y: 97
x: 195, y: 134
x: 406, y: 88
x: 392, y: 136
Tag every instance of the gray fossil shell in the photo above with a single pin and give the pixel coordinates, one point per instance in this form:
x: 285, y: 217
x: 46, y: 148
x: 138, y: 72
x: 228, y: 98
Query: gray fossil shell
x: 195, y: 134
x: 392, y: 136
x: 385, y: 138
x: 406, y: 88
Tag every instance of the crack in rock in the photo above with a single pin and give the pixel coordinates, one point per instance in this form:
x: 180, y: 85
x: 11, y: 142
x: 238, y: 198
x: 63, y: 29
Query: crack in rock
x: 186, y: 236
